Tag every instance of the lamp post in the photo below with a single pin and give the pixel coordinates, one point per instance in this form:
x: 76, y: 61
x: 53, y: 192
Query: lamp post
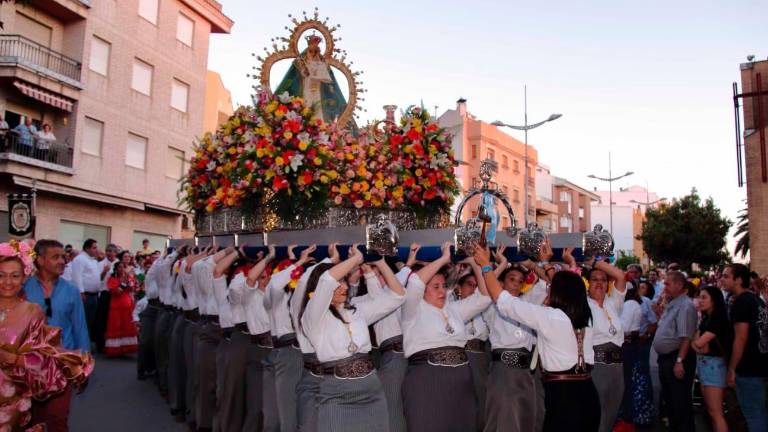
x: 647, y: 203
x: 526, y: 127
x: 610, y: 181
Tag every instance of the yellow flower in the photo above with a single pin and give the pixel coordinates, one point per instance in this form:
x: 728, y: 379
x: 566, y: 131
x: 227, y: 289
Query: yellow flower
x: 416, y: 124
x: 398, y: 192
x: 324, y: 179
x: 232, y: 150
x: 419, y: 172
x: 364, y: 186
x: 333, y: 175
x: 279, y: 161
x: 288, y: 134
x: 269, y: 174
x: 271, y: 107
x: 379, y: 184
x: 344, y: 189
x: 526, y: 287
x: 318, y: 161
x: 303, y: 145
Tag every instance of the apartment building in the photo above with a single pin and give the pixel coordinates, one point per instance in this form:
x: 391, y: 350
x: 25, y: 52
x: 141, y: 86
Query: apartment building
x: 122, y: 85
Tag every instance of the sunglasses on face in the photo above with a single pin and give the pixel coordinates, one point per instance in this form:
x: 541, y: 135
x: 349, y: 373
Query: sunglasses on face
x: 48, y: 307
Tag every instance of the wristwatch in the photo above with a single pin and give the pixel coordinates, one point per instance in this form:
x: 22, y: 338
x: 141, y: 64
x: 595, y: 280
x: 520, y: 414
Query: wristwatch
x: 486, y: 268
x: 679, y: 360
x: 541, y: 264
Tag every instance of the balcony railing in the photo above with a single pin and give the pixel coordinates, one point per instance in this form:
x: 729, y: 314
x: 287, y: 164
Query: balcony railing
x: 35, y: 151
x: 17, y: 49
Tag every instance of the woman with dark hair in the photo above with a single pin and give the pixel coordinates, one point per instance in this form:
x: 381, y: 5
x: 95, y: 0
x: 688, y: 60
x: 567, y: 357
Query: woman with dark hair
x: 712, y: 344
x: 607, y: 287
x: 637, y: 403
x: 121, y: 335
x: 565, y: 346
x: 477, y: 346
x: 351, y: 397
x: 438, y: 394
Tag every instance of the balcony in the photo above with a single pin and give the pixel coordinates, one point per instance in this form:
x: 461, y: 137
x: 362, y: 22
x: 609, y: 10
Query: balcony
x: 16, y: 50
x: 54, y: 155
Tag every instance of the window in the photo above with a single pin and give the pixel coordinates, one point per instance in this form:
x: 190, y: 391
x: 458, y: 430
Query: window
x: 504, y: 161
x: 565, y: 222
x: 185, y: 30
x: 565, y: 196
x: 179, y: 95
x: 516, y: 166
x: 99, y: 61
x: 93, y: 135
x: 76, y: 233
x: 33, y: 29
x: 156, y: 241
x: 148, y: 10
x: 142, y: 77
x: 491, y: 154
x: 135, y: 151
x: 174, y: 163
x: 474, y: 151
x: 516, y: 196
x: 581, y: 212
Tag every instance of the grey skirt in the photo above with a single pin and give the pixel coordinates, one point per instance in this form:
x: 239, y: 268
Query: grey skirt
x: 439, y: 399
x: 609, y: 382
x: 510, y: 404
x: 392, y: 373
x: 352, y: 405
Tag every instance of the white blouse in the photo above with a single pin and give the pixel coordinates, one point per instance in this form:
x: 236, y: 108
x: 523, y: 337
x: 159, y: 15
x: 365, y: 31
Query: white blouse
x: 276, y: 302
x: 426, y: 327
x: 537, y: 294
x: 389, y: 326
x: 188, y: 285
x: 605, y: 317
x: 229, y: 315
x: 506, y: 333
x: 161, y: 269
x: 251, y: 299
x: 632, y: 316
x: 476, y: 326
x: 295, y: 307
x: 558, y: 349
x: 176, y: 281
x: 333, y: 339
x: 203, y: 270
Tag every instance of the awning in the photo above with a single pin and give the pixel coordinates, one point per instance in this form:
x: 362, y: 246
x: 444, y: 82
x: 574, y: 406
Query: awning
x: 44, y: 96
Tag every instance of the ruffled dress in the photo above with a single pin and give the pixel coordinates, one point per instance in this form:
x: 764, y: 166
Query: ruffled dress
x: 47, y: 370
x: 121, y: 336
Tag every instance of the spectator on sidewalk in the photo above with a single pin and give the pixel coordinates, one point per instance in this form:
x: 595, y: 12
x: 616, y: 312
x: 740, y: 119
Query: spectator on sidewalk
x: 86, y: 277
x: 748, y: 366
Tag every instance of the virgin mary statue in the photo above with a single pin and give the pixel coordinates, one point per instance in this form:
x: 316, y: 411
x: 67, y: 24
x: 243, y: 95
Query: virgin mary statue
x: 311, y: 78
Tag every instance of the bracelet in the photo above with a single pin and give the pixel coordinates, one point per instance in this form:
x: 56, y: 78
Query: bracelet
x: 486, y: 268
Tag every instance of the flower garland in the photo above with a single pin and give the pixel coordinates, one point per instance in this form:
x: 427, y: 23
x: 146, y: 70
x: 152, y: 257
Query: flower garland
x: 23, y: 251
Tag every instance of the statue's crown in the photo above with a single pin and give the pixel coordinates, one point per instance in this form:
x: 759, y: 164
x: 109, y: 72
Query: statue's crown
x: 314, y: 39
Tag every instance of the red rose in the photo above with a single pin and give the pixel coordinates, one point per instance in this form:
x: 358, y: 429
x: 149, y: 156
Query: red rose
x: 413, y: 135
x: 429, y: 194
x: 395, y: 140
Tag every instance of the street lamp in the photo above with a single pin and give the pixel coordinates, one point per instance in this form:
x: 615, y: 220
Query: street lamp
x: 610, y: 181
x: 647, y: 203
x: 526, y: 127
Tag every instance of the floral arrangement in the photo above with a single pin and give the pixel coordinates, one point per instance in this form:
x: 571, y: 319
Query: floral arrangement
x: 22, y: 250
x: 275, y: 155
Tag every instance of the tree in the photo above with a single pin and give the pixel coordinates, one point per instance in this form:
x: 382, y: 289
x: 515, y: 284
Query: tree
x: 742, y: 234
x: 624, y: 260
x: 686, y: 231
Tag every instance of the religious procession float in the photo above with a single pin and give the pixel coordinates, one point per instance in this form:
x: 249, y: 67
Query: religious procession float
x: 296, y: 168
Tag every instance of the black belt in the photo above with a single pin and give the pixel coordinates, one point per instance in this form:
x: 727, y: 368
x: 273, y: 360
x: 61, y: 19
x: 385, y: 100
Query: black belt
x: 211, y: 319
x: 444, y: 356
x: 154, y: 302
x: 262, y: 340
x: 392, y: 344
x: 227, y: 333
x: 91, y: 293
x: 608, y: 353
x: 192, y: 315
x: 285, y: 341
x: 312, y: 364
x: 475, y: 345
x: 243, y: 327
x: 568, y: 375
x: 353, y: 367
x: 519, y: 358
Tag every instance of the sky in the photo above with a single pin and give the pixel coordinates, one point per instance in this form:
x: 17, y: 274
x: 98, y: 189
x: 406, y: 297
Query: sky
x: 648, y: 81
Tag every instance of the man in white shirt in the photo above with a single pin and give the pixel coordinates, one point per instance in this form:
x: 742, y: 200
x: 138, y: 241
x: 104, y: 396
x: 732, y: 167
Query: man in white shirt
x: 106, y: 266
x: 86, y: 277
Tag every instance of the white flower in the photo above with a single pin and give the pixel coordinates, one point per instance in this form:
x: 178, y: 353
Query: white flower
x: 284, y: 97
x: 323, y: 138
x: 250, y: 147
x: 296, y: 161
x: 211, y: 166
x: 293, y: 115
x: 439, y: 160
x: 303, y: 137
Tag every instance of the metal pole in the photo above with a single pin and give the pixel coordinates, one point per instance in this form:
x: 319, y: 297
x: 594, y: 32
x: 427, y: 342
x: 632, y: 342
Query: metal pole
x: 610, y: 192
x: 525, y: 171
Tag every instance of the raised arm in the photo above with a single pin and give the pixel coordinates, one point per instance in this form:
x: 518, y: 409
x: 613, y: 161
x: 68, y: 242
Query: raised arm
x: 482, y: 258
x: 343, y: 268
x: 389, y: 278
x: 501, y: 260
x: 412, y: 252
x: 223, y: 263
x: 431, y: 269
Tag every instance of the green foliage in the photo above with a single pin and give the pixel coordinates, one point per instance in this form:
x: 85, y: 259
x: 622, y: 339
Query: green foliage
x: 686, y: 231
x: 624, y: 260
x: 742, y: 234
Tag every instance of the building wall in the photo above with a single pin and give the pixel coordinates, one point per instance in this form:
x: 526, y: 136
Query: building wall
x: 474, y: 141
x: 623, y: 228
x: 757, y: 189
x: 218, y: 102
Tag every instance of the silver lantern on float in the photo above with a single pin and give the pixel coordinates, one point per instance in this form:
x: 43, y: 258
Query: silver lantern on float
x: 530, y: 240
x: 597, y: 242
x: 381, y: 236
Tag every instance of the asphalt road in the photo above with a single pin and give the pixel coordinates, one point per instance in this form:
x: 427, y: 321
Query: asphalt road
x: 116, y: 401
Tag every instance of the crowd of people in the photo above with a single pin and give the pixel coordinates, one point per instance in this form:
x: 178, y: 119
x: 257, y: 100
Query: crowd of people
x: 324, y: 341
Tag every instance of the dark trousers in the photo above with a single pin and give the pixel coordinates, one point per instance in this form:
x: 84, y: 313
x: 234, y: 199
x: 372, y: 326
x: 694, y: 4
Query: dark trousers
x: 571, y: 406
x: 162, y: 348
x: 677, y: 394
x: 91, y: 305
x: 100, y: 322
x: 146, y: 359
x: 53, y: 412
x: 177, y: 368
